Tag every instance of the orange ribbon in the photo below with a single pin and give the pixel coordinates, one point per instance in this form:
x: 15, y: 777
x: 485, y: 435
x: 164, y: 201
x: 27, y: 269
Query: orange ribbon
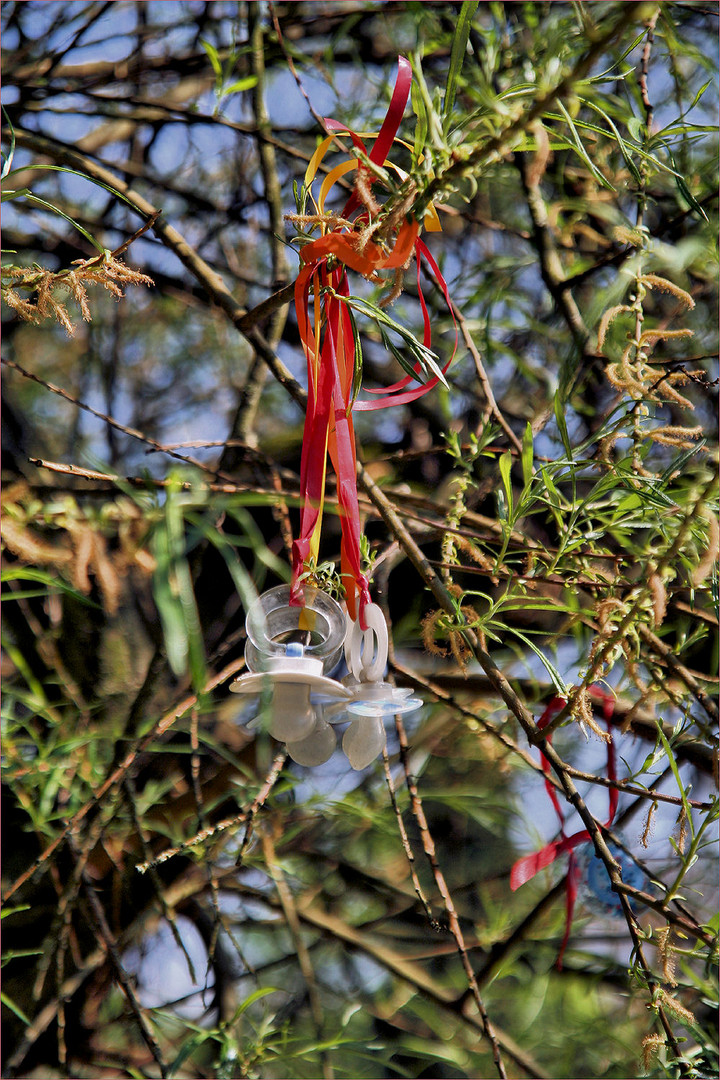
x: 326, y: 330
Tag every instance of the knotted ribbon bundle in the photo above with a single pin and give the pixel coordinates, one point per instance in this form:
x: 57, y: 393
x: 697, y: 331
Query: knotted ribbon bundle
x: 527, y: 867
x: 331, y: 343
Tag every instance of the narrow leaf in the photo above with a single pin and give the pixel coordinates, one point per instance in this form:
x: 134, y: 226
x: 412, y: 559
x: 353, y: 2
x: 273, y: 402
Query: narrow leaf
x: 29, y: 573
x: 421, y: 127
x: 580, y: 148
x: 240, y: 85
x: 457, y: 55
x: 505, y: 465
x: 357, y: 362
x: 685, y: 190
x: 256, y: 995
x: 562, y: 426
x: 618, y: 138
x: 189, y: 1047
x: 174, y: 635
x: 527, y: 454
x: 677, y: 466
x: 11, y: 152
x: 76, y: 172
x: 550, y: 485
x: 213, y: 57
x: 241, y: 578
x: 697, y: 97
x: 10, y: 1004
x: 557, y: 679
x: 633, y: 45
x: 7, y: 912
x: 61, y: 213
x: 678, y: 779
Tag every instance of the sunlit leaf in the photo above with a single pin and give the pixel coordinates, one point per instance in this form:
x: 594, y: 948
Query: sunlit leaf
x: 457, y: 56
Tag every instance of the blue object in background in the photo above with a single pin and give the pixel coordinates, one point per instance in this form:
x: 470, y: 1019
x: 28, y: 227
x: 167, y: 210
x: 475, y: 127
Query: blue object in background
x: 596, y: 890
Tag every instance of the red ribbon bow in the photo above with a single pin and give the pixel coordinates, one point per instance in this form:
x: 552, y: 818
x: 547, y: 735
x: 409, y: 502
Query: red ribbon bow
x: 326, y: 331
x: 529, y: 865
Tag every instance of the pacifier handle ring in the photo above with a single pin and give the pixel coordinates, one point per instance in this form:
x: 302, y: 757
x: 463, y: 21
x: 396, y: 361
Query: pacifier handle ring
x: 374, y: 643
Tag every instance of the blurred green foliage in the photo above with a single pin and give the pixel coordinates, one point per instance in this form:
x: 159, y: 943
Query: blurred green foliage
x: 563, y: 488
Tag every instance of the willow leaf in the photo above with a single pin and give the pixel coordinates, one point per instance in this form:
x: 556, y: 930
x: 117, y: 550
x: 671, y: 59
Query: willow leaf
x: 25, y: 193
x: 579, y: 146
x: 622, y: 146
x: 457, y: 56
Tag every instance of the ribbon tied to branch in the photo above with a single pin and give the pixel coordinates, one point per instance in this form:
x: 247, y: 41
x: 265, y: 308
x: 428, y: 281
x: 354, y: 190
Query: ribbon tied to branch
x: 529, y: 865
x: 369, y: 239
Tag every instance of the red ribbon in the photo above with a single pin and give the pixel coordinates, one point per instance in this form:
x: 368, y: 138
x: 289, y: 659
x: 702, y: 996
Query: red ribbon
x: 529, y: 865
x: 329, y: 346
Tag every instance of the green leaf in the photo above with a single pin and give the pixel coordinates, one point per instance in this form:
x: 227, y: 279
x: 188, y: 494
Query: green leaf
x: 527, y: 455
x: 10, y: 1004
x: 11, y: 152
x: 421, y: 127
x: 557, y: 679
x: 241, y: 578
x: 434, y: 135
x: 697, y: 97
x: 29, y: 573
x: 552, y: 489
x: 18, y: 954
x: 635, y: 172
x: 601, y: 76
x: 505, y: 465
x: 678, y: 780
x: 457, y: 56
x: 61, y: 213
x: 19, y: 660
x: 562, y: 425
x: 256, y: 995
x: 173, y: 592
x: 580, y: 149
x: 357, y: 362
x: 181, y: 580
x: 684, y: 189
x: 301, y: 196
x: 635, y: 127
x: 407, y: 365
x: 584, y: 125
x: 82, y: 175
x: 7, y: 912
x: 213, y: 57
x: 242, y: 84
x: 425, y: 357
x: 169, y: 610
x: 678, y: 464
x: 191, y: 1044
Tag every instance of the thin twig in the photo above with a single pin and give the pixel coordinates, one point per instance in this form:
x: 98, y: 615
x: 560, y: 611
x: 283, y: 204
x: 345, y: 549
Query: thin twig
x: 49, y: 1013
x: 498, y: 146
x: 492, y: 405
x: 302, y: 952
x: 111, y: 422
x: 453, y: 921
x: 527, y: 723
x: 168, y: 914
x: 158, y: 729
x: 245, y: 817
x: 250, y: 394
x: 259, y: 801
x: 107, y: 940
x: 407, y: 848
x: 211, y: 281
x: 679, y: 669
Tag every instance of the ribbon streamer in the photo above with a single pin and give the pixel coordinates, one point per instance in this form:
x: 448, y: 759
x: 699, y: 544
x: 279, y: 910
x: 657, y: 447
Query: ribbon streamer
x: 328, y: 336
x: 529, y: 865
